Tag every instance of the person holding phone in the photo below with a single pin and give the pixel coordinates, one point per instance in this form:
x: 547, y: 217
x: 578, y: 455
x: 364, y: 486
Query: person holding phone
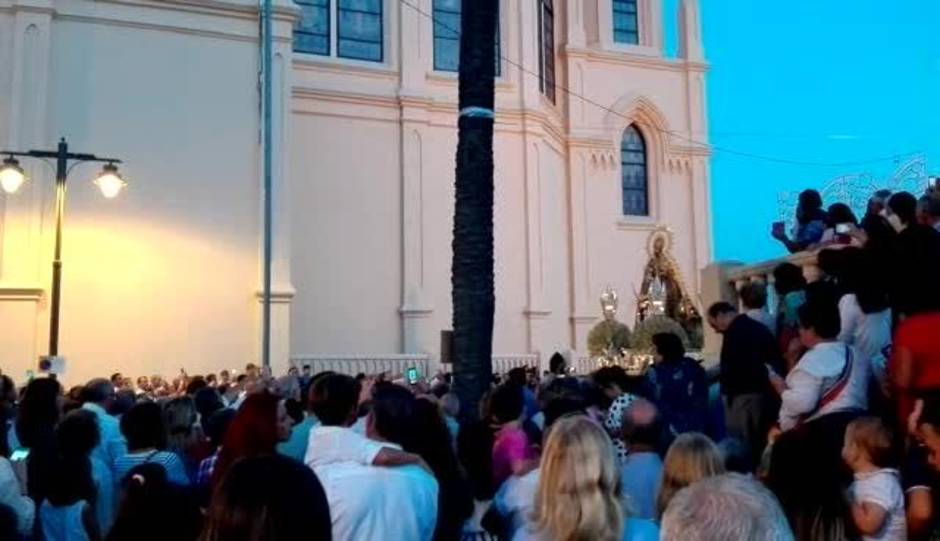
x: 810, y: 223
x: 842, y: 227
x: 13, y: 487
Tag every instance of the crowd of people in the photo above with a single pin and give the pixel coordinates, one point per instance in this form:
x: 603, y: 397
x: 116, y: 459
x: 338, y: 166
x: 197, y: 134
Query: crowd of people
x: 827, y: 428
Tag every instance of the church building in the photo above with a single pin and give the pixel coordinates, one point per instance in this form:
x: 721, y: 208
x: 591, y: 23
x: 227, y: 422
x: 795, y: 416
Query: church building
x: 600, y: 138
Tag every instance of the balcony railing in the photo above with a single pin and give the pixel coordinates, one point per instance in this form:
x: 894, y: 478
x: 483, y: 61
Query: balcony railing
x: 723, y: 281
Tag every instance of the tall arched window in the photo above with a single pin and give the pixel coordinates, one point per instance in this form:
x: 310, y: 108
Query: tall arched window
x: 633, y: 175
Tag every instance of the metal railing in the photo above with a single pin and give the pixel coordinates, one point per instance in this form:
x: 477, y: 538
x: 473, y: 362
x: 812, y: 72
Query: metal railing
x: 394, y: 364
x: 505, y: 363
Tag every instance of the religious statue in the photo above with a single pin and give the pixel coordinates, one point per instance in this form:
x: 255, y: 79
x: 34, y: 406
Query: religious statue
x: 609, y: 336
x: 663, y: 292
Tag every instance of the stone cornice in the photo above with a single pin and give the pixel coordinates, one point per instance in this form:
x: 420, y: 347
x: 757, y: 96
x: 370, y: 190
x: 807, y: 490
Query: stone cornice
x: 246, y: 8
x: 166, y: 28
x: 10, y: 292
x: 627, y: 58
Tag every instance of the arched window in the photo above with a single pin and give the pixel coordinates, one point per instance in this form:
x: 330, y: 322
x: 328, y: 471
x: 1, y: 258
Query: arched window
x: 633, y: 175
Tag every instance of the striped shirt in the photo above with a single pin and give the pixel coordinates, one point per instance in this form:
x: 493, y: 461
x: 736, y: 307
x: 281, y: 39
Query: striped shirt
x: 171, y: 462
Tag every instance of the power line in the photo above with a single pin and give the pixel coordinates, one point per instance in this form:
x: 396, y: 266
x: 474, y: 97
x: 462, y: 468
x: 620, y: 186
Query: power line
x: 702, y: 144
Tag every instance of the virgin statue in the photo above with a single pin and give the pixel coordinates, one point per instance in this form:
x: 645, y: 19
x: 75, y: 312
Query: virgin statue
x: 663, y: 291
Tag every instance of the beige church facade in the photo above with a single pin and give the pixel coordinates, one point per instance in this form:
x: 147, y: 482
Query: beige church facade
x: 599, y: 139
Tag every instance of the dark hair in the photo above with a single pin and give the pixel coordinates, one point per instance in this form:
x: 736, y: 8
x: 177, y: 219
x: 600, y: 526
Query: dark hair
x: 123, y: 401
x: 207, y: 401
x: 77, y: 435
x: 195, y: 385
x: 116, y: 378
x: 556, y: 363
x: 216, y: 425
x: 455, y: 502
x: 609, y: 376
x: 333, y: 398
x: 822, y: 318
x: 810, y: 207
x: 669, y: 346
x: 143, y: 427
x: 719, y: 308
x: 506, y: 403
x: 98, y: 390
x: 70, y: 469
x: 788, y: 278
x: 38, y: 411
x: 840, y: 213
x: 295, y: 410
x: 810, y: 200
x: 393, y: 413
x: 753, y: 295
x: 649, y: 433
x: 269, y: 498
x: 559, y: 407
x: 153, y: 509
x: 860, y: 274
x: 904, y: 204
x: 518, y: 376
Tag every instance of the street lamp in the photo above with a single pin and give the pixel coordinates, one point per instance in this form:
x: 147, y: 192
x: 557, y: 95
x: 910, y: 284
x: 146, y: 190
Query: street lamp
x: 109, y: 181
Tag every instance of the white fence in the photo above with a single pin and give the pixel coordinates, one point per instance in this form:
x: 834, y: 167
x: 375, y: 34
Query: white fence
x: 505, y: 363
x: 396, y: 364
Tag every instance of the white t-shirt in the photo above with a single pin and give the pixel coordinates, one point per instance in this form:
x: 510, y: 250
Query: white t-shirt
x: 515, y: 499
x: 370, y: 503
x: 329, y: 444
x: 883, y: 488
x: 12, y: 496
x: 817, y: 371
x: 869, y: 333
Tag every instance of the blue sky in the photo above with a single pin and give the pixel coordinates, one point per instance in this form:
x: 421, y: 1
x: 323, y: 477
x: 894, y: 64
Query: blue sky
x: 829, y: 81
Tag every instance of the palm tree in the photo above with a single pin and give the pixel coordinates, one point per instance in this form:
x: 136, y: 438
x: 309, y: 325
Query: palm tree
x: 472, y: 265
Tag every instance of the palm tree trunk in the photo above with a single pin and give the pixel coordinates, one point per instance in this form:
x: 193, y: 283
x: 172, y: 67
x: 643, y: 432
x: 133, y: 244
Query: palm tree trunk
x: 472, y: 265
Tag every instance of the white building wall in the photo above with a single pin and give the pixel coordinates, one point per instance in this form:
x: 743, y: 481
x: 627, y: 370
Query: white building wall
x: 167, y: 275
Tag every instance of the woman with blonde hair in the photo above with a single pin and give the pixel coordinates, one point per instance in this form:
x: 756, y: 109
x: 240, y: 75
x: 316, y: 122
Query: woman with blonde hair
x: 579, y: 495
x: 183, y: 435
x: 691, y: 458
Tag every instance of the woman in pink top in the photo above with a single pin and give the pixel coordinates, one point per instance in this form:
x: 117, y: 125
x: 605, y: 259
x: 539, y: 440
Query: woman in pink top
x: 512, y: 452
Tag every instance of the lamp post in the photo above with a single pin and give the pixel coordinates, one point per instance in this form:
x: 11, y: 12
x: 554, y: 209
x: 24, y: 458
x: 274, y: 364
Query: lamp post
x: 12, y: 176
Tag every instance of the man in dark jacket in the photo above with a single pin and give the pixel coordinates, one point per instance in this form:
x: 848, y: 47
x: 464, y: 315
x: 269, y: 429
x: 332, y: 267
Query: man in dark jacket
x: 747, y: 349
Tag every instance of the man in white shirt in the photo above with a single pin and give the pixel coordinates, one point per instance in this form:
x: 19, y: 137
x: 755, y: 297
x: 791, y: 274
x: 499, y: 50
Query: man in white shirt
x: 830, y: 377
x: 368, y: 502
